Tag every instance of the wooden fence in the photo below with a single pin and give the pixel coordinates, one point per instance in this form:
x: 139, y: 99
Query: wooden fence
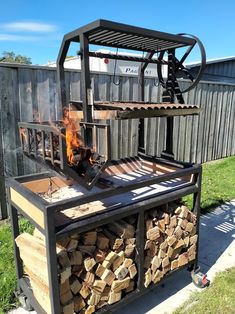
x: 28, y: 89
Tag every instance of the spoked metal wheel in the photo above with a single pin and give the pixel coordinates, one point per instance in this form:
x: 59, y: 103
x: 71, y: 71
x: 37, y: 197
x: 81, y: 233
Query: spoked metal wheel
x: 180, y: 70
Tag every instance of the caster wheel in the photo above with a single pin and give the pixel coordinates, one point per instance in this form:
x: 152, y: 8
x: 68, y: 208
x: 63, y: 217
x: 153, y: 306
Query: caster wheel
x: 199, y: 279
x: 25, y: 303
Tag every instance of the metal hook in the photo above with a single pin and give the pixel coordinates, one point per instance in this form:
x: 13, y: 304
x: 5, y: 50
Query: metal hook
x: 114, y: 71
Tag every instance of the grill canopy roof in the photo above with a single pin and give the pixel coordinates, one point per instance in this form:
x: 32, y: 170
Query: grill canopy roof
x: 112, y: 34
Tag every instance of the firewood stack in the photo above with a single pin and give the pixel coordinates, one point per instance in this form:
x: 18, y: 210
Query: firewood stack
x: 95, y: 268
x: 170, y: 242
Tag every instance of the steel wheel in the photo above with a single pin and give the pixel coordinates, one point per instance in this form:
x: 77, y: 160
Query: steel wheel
x: 180, y: 67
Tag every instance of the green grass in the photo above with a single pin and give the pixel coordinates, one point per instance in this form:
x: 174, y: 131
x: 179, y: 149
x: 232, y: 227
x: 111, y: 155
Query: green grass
x: 7, y: 270
x: 7, y: 265
x: 218, y: 182
x: 218, y: 298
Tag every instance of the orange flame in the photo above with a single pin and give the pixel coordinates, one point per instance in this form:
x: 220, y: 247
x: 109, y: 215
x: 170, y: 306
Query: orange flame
x: 73, y: 138
x: 23, y: 136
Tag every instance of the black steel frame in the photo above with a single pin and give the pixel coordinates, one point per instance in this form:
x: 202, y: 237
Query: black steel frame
x: 116, y: 35
x: 53, y: 233
x: 107, y: 33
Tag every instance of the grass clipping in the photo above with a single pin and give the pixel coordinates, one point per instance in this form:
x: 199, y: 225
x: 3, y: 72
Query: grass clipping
x: 218, y: 298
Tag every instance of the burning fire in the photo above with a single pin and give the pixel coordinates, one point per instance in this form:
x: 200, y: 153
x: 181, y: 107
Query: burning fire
x: 73, y: 138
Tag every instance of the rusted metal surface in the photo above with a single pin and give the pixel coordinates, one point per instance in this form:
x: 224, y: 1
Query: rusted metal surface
x: 99, y: 105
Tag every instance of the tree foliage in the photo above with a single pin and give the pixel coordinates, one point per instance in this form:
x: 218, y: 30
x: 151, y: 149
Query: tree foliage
x: 11, y: 57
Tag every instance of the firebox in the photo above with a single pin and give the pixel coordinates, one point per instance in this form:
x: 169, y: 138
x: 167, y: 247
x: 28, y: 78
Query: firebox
x: 106, y: 230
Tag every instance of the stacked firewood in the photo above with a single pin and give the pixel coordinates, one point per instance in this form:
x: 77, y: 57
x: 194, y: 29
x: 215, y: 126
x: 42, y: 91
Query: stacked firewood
x: 170, y: 241
x: 95, y: 268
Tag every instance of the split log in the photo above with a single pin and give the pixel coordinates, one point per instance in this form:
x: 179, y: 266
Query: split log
x: 105, y: 294
x: 157, y: 276
x: 100, y: 255
x: 72, y: 245
x: 193, y: 239
x: 153, y: 233
x: 155, y: 263
x: 89, y: 278
x: 75, y: 258
x: 89, y: 263
x: 116, y: 244
x: 131, y: 287
x: 114, y: 297
x: 148, y: 224
x: 102, y: 242
x: 148, y: 278
x: 108, y: 276
x: 121, y: 272
x: 183, y: 259
x: 118, y: 261
x: 75, y: 285
x: 174, y: 264
x: 184, y: 212
x: 119, y: 285
x: 182, y: 223
x: 98, y: 286
x: 79, y: 303
x: 65, y: 274
x: 189, y: 227
x: 65, y: 293
x: 127, y: 262
x: 161, y: 225
x: 94, y: 299
x: 89, y: 238
x: 90, y: 309
x: 100, y: 270
x: 84, y: 291
x: 129, y: 250
x: 87, y: 249
x: 130, y: 241
x: 68, y: 308
x: 122, y: 229
x: 109, y: 259
x: 132, y: 271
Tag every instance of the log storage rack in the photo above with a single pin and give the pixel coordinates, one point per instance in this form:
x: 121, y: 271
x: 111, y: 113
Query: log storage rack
x: 123, y: 231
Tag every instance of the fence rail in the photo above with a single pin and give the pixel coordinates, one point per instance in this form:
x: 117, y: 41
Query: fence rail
x: 25, y: 90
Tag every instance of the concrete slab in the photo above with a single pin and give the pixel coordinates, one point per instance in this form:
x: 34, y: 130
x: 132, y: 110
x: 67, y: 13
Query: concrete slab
x: 216, y: 253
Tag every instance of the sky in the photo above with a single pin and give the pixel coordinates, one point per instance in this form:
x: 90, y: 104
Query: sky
x: 35, y: 28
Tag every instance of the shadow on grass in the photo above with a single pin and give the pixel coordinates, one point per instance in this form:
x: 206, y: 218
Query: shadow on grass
x: 213, y: 203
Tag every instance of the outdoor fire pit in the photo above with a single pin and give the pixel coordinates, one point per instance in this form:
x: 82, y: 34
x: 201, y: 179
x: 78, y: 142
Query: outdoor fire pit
x: 106, y: 231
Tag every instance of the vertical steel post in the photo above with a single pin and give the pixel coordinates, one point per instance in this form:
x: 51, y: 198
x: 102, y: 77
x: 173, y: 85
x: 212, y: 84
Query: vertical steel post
x: 141, y: 147
x: 61, y: 86
x: 3, y: 203
x: 196, y: 208
x: 87, y: 97
x: 15, y: 232
x: 140, y: 235
x: 168, y: 96
x: 52, y: 262
x: 141, y: 70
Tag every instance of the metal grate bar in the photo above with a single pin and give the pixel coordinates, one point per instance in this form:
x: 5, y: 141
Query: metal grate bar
x: 99, y: 33
x: 52, y: 148
x: 35, y: 142
x: 28, y: 140
x: 104, y: 37
x: 43, y: 144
